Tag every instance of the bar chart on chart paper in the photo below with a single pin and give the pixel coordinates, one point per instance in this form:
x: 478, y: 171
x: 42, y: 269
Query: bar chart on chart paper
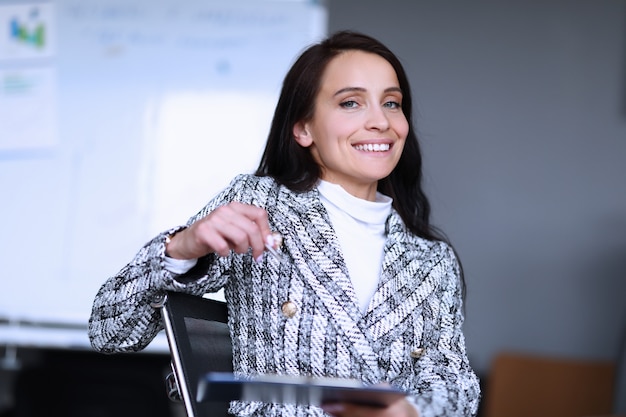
x: 28, y: 101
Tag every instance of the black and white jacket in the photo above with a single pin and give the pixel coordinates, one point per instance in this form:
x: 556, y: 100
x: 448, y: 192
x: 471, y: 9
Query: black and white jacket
x: 410, y: 336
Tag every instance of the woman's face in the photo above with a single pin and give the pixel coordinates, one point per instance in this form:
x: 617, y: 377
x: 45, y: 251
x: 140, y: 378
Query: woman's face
x: 358, y: 129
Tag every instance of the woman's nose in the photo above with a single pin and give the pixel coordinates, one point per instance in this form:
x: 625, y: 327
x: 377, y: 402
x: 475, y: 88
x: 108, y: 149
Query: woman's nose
x: 377, y: 119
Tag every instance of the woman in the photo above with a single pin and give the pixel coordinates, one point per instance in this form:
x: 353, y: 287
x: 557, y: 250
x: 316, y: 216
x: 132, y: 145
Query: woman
x: 363, y: 288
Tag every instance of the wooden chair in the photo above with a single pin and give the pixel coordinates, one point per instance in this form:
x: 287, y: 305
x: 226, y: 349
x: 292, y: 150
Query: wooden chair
x: 521, y: 385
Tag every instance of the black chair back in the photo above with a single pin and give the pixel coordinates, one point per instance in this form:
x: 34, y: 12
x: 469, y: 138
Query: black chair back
x: 199, y: 339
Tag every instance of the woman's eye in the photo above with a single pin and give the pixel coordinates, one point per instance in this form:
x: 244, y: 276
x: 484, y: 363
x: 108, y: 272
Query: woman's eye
x: 349, y: 104
x: 393, y: 105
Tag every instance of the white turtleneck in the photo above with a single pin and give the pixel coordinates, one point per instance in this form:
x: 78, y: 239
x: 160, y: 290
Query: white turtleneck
x: 360, y: 228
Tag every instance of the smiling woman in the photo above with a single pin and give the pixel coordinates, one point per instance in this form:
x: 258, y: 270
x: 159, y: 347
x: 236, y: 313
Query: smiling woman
x: 362, y: 286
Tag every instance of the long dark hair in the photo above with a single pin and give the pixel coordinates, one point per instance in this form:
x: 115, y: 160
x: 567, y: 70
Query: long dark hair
x: 293, y: 165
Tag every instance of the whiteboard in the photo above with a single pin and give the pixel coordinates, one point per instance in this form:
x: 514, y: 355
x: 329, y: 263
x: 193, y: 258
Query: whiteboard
x: 121, y: 118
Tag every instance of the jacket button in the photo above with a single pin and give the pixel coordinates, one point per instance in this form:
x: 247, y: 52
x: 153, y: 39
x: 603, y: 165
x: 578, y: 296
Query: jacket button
x: 289, y: 309
x: 417, y: 353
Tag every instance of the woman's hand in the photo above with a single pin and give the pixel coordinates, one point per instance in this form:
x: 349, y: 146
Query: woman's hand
x: 400, y: 408
x: 234, y: 226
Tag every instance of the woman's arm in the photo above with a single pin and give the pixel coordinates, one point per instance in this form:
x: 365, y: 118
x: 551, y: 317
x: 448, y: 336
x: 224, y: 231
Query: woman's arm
x: 122, y: 317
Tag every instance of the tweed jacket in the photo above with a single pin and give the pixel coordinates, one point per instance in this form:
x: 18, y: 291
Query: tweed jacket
x: 410, y: 335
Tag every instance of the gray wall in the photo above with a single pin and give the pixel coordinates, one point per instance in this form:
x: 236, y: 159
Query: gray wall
x: 521, y: 108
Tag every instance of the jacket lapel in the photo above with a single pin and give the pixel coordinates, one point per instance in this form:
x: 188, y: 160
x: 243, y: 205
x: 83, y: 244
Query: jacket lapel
x: 405, y: 280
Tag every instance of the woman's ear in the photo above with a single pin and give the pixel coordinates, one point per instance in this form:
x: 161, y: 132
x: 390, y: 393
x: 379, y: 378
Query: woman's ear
x: 301, y: 135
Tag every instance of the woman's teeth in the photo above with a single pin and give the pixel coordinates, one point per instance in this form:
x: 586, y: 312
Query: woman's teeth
x: 373, y: 147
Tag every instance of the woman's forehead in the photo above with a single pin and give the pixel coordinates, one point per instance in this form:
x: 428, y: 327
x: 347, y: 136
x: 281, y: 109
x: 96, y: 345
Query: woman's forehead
x: 355, y: 69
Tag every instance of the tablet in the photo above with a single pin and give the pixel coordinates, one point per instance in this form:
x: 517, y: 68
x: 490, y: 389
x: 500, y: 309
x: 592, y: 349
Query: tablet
x: 223, y: 386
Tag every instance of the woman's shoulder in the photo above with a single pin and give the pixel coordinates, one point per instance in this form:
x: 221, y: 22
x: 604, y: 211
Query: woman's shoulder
x: 261, y: 191
x: 439, y: 246
x: 433, y: 250
x: 396, y: 226
x: 252, y: 184
x: 266, y: 187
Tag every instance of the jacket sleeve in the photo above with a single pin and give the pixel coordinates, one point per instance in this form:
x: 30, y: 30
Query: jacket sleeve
x: 445, y: 384
x: 122, y: 317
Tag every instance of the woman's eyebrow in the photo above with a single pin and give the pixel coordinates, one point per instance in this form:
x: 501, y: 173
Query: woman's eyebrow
x: 393, y: 90
x: 349, y: 90
x: 361, y: 90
